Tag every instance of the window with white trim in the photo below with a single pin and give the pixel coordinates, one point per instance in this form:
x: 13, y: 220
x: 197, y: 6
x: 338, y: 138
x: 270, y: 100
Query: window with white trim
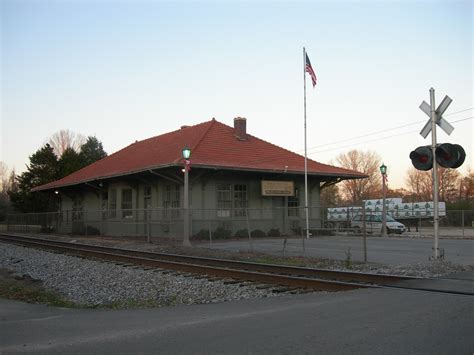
x: 112, y: 203
x: 104, y: 202
x: 77, y: 208
x: 294, y: 204
x: 147, y: 191
x: 231, y: 200
x: 127, y: 204
x: 240, y: 200
x: 224, y: 200
x: 171, y: 204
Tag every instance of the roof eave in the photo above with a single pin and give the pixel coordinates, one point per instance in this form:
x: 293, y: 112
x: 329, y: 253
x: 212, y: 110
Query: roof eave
x: 294, y: 172
x: 98, y: 178
x: 202, y: 166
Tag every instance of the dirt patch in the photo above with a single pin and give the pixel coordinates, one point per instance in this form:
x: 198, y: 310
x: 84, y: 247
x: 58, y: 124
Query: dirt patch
x: 26, y: 289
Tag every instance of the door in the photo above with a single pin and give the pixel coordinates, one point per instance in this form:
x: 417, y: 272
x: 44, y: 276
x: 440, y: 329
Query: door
x: 279, y: 215
x: 147, y: 211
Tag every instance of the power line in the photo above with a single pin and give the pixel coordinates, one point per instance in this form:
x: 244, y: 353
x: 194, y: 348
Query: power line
x: 257, y: 161
x: 454, y: 113
x: 381, y: 131
x: 464, y: 119
x: 379, y: 139
x: 384, y: 130
x: 367, y: 135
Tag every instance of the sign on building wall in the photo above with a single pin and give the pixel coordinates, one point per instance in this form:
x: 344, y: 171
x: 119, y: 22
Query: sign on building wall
x: 278, y: 188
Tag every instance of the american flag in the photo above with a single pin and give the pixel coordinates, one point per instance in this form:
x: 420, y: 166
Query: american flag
x: 309, y: 69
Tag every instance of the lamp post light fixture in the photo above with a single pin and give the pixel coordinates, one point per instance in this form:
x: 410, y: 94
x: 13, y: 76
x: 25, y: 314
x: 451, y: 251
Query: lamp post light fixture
x: 186, y: 155
x: 383, y: 171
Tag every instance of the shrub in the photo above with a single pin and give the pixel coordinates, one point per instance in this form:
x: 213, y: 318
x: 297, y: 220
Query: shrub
x: 241, y: 233
x: 274, y: 232
x: 297, y: 231
x: 257, y: 233
x: 221, y: 233
x: 92, y: 230
x: 202, y: 234
x: 321, y: 232
x: 47, y: 229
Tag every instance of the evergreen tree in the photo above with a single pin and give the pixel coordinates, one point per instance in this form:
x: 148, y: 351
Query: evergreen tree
x: 43, y: 168
x: 69, y: 162
x: 91, y: 151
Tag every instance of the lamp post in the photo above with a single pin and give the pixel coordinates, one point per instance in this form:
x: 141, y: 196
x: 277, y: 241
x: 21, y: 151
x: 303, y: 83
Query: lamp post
x: 383, y: 170
x: 186, y: 155
x: 58, y: 200
x: 58, y: 214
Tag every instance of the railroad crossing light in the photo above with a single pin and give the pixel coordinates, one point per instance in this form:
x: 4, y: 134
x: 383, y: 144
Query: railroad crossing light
x: 447, y: 155
x: 450, y: 155
x: 422, y: 158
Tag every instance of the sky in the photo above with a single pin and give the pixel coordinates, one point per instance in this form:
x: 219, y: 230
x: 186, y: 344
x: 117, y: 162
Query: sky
x: 130, y: 70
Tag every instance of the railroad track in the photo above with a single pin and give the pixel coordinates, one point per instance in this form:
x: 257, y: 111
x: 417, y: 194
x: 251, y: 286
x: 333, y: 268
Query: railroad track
x: 288, y: 276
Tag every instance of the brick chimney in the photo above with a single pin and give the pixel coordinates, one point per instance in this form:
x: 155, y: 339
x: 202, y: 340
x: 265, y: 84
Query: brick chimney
x: 240, y: 128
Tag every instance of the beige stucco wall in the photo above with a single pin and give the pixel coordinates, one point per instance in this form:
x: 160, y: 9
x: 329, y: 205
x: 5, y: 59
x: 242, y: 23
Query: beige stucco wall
x: 203, y: 201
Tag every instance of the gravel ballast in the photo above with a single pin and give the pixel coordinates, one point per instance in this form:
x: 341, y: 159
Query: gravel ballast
x: 95, y: 283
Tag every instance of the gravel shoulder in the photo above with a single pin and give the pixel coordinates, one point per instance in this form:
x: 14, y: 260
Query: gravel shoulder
x: 91, y: 283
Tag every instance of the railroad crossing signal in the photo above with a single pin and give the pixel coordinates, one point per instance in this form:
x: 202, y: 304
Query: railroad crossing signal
x: 447, y: 155
x: 440, y: 121
x: 450, y: 155
x: 428, y: 157
x: 422, y: 158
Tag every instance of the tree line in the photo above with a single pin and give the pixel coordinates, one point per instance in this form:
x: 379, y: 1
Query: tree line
x: 64, y: 153
x: 454, y: 188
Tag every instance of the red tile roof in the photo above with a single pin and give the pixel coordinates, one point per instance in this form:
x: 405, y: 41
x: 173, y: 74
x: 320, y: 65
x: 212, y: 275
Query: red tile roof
x: 213, y: 145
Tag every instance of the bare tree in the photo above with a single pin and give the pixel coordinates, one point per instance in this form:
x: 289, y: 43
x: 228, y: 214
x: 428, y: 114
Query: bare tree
x: 7, y: 180
x: 448, y: 184
x: 466, y: 187
x: 64, y: 139
x: 365, y: 162
x: 420, y: 184
x: 4, y: 177
x: 330, y: 196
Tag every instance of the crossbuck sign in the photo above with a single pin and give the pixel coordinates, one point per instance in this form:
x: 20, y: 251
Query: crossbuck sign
x: 440, y: 121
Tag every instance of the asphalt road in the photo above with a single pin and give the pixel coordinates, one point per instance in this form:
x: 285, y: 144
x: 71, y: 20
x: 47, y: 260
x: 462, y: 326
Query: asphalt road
x: 356, y: 322
x: 387, y: 250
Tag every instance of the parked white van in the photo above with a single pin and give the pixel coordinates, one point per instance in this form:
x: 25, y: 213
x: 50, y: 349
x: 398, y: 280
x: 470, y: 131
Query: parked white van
x: 373, y: 224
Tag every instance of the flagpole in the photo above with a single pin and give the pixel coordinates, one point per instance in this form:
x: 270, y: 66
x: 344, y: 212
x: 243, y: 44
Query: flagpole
x: 305, y: 151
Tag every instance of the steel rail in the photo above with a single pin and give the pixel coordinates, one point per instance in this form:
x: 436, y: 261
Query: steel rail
x: 283, y: 280
x: 429, y: 289
x: 345, y: 276
x: 290, y: 276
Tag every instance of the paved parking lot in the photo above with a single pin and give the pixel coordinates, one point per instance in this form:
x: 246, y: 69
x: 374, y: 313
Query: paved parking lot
x: 388, y: 250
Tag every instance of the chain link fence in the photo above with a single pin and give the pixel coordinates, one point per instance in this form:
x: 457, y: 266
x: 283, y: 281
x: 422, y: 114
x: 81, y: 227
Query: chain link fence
x: 211, y: 224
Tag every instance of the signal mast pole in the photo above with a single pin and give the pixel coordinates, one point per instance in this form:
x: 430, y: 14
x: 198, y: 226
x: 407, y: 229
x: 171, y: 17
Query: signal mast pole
x: 435, y: 176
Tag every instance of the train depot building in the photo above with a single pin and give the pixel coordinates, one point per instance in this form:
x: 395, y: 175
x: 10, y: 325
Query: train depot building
x: 236, y: 181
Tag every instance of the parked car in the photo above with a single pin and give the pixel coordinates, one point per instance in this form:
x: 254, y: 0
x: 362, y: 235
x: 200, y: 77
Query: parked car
x: 373, y: 224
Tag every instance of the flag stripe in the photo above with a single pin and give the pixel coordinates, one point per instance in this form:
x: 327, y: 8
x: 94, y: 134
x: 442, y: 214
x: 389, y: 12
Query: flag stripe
x: 309, y: 69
